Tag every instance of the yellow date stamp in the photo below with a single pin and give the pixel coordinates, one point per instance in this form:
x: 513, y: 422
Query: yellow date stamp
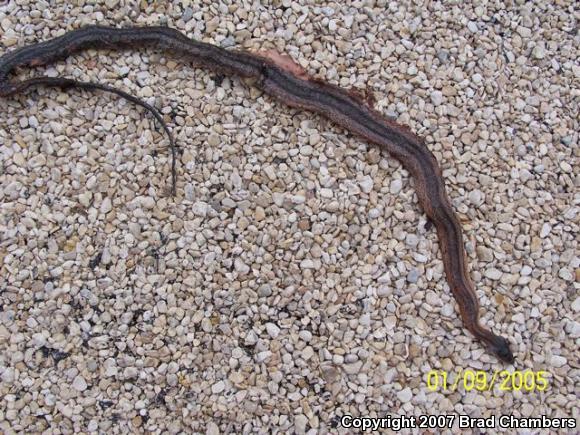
x: 479, y: 380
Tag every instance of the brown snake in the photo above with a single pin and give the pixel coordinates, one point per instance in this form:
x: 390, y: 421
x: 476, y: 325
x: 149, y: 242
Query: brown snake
x: 292, y: 86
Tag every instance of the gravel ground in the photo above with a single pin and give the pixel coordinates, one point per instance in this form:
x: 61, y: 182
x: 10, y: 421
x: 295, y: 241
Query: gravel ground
x: 293, y: 279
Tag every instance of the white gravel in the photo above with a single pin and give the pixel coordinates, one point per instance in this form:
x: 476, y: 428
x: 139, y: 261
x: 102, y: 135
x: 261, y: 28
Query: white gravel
x: 293, y: 279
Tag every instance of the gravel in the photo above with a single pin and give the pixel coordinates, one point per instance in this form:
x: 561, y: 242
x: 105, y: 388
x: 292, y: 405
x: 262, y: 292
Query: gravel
x: 294, y: 278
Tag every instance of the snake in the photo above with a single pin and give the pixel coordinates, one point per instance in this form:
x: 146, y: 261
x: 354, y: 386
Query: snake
x: 278, y: 76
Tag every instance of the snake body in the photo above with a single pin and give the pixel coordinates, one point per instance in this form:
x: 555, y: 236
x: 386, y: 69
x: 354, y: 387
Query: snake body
x: 296, y: 90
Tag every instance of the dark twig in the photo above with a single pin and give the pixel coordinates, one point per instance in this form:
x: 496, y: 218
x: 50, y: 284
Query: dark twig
x: 65, y: 83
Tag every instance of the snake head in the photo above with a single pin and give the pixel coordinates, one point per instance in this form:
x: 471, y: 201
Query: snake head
x: 501, y: 348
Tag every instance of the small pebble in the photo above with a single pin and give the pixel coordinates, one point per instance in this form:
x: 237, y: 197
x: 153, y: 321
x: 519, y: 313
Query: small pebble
x: 558, y: 361
x: 273, y: 330
x: 106, y: 205
x: 218, y: 387
x: 413, y: 276
x: 493, y: 274
x: 396, y: 186
x: 437, y: 98
x: 79, y: 383
x: 405, y: 395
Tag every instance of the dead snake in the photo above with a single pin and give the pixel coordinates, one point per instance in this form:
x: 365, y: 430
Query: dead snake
x: 291, y: 85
